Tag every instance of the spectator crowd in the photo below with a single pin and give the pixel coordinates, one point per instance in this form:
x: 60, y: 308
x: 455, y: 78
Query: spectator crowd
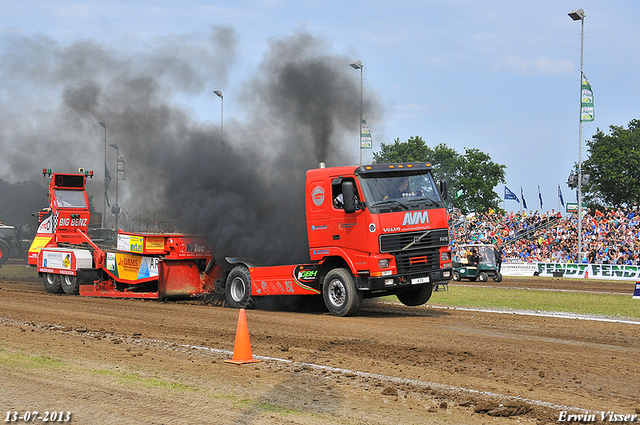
x: 611, y: 236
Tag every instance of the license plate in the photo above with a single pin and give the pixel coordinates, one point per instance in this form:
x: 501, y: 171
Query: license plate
x: 420, y: 280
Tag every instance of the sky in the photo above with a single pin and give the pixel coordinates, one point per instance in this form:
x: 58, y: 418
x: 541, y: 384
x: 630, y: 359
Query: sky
x: 499, y: 76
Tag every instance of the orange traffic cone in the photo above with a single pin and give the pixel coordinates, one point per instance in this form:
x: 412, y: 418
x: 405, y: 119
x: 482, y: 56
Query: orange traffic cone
x: 242, y: 347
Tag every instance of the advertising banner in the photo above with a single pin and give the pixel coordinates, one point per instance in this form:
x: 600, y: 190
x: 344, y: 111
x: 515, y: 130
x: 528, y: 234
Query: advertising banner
x: 518, y: 269
x: 590, y: 271
x: 583, y: 271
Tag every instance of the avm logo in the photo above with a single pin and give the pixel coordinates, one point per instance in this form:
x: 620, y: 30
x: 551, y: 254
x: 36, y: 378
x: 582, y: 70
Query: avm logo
x: 417, y: 217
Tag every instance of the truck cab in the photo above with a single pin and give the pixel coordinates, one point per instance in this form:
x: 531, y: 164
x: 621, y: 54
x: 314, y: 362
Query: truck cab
x: 385, y: 224
x: 67, y: 213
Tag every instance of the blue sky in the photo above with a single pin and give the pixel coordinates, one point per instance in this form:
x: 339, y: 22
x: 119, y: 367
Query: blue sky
x: 499, y: 76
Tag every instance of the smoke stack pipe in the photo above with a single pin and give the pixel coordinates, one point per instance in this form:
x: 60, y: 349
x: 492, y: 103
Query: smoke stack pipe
x: 322, y: 165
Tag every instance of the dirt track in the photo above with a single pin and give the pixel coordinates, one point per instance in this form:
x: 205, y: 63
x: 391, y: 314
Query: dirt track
x: 133, y: 361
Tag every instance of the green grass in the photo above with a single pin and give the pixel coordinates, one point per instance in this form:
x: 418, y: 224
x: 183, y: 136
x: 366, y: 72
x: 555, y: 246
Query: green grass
x: 522, y: 299
x: 29, y: 361
x: 147, y: 381
x: 17, y: 269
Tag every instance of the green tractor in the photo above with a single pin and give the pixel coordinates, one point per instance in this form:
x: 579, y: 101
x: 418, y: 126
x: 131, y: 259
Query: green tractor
x: 476, y: 262
x: 11, y: 246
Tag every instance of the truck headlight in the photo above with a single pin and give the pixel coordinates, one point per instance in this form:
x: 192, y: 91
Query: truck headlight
x: 384, y: 263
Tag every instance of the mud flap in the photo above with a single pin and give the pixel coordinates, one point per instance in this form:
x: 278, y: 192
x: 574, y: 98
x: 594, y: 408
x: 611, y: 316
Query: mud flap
x: 362, y: 283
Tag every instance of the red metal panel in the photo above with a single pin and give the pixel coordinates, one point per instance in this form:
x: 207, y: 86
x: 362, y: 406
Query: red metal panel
x: 182, y: 246
x: 182, y: 278
x: 106, y: 289
x: 277, y: 280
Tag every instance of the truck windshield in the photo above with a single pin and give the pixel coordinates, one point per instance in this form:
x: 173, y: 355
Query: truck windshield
x: 406, y: 190
x: 70, y: 198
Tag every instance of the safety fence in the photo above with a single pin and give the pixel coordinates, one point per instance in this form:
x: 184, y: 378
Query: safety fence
x: 584, y: 271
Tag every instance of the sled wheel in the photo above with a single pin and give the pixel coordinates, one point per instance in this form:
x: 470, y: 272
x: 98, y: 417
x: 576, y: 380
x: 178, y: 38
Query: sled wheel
x: 238, y: 288
x: 70, y: 284
x: 52, y: 283
x: 340, y: 294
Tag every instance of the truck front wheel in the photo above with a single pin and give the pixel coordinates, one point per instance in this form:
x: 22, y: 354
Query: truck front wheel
x: 52, y: 283
x: 416, y: 296
x: 238, y: 288
x: 340, y: 294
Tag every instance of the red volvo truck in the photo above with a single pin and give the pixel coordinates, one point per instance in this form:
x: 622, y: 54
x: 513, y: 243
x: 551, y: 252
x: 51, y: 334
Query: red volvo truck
x: 373, y: 230
x: 142, y: 265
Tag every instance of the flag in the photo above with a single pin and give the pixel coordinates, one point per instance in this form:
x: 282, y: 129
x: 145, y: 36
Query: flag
x: 540, y: 197
x: 509, y: 195
x: 107, y: 181
x: 587, y: 111
x: 560, y: 196
x: 121, y: 173
x: 365, y: 135
x: 524, y: 203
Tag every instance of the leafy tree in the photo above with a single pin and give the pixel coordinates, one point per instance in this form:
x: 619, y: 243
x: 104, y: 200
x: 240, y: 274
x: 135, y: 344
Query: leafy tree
x: 413, y: 150
x: 471, y: 177
x: 478, y: 177
x: 614, y: 166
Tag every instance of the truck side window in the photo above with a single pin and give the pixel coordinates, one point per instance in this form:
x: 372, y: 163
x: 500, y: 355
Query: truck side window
x: 336, y: 192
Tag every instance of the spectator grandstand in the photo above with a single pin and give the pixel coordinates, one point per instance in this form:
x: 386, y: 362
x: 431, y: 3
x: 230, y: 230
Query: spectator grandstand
x: 611, y: 236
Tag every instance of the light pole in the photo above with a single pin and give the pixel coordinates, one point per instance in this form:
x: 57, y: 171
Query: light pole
x: 104, y: 208
x: 117, y: 209
x: 219, y: 94
x: 578, y: 15
x: 358, y: 65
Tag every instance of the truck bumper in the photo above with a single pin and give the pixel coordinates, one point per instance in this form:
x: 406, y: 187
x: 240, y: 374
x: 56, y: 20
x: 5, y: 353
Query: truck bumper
x: 404, y: 280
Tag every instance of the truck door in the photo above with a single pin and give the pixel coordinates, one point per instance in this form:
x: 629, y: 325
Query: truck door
x: 347, y: 230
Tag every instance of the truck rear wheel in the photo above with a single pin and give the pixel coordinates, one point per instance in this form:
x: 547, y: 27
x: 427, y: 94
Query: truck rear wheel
x: 70, y: 284
x: 238, y: 288
x: 340, y: 294
x: 52, y: 283
x: 416, y: 296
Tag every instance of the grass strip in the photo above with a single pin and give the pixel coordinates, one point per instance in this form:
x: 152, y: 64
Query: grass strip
x: 137, y: 378
x: 29, y: 361
x: 609, y: 305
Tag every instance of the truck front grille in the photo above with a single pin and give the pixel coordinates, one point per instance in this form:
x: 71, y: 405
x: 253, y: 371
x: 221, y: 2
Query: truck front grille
x: 417, y: 261
x: 411, y: 241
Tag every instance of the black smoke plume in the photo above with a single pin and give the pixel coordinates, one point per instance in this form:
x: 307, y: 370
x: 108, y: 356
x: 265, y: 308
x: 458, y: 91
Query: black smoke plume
x: 246, y: 196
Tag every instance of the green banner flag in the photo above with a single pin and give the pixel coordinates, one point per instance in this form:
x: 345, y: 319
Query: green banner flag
x: 121, y: 172
x: 365, y: 135
x: 587, y: 111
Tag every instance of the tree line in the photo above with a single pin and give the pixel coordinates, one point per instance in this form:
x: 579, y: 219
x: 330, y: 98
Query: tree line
x: 613, y: 165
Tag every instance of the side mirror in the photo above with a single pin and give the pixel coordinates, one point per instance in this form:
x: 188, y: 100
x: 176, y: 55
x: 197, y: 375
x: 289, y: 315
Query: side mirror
x: 348, y: 196
x: 444, y: 189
